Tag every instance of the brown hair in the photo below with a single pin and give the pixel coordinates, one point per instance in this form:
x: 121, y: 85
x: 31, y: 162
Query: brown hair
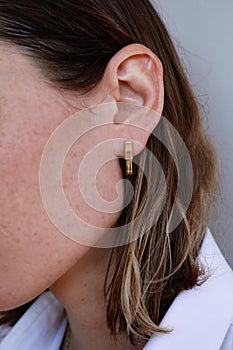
x: 72, y: 42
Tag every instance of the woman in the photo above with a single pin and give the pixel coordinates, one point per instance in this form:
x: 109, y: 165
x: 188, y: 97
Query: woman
x: 166, y: 286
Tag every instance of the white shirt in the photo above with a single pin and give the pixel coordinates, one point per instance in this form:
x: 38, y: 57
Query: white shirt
x: 202, y: 318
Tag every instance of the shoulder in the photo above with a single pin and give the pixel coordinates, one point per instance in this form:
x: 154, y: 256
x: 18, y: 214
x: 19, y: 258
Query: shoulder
x: 201, y: 318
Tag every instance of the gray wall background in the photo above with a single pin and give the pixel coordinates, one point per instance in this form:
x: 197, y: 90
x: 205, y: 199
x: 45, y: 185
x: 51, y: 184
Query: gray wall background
x: 202, y: 31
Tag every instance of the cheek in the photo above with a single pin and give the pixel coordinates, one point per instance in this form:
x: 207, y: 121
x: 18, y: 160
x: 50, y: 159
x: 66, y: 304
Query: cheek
x: 90, y: 185
x: 33, y: 254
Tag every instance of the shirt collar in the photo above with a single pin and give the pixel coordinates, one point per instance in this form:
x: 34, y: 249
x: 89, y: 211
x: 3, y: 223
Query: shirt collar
x: 42, y: 326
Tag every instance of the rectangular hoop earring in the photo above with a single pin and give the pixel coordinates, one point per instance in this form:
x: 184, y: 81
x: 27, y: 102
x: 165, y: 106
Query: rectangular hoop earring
x: 129, y: 157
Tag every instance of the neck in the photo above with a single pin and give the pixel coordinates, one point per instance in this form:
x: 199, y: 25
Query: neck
x: 81, y: 291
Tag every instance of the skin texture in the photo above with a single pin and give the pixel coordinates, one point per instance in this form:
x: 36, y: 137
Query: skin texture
x: 34, y: 254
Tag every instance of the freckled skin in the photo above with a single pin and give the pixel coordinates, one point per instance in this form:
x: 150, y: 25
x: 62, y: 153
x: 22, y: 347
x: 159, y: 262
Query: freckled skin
x: 33, y: 253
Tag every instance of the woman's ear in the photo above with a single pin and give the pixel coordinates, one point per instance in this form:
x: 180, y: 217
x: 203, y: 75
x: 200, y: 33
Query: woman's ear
x: 135, y: 75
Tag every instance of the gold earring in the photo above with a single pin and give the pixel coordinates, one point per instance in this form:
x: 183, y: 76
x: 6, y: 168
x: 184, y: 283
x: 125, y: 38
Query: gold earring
x: 129, y: 157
